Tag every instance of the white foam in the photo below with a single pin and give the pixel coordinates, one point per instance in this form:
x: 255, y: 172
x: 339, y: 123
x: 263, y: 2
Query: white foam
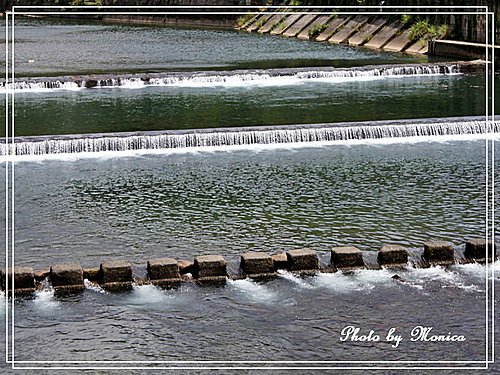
x: 299, y: 282
x: 249, y: 147
x: 252, y: 290
x: 89, y: 285
x: 449, y: 278
x: 148, y: 295
x: 45, y: 301
x: 359, y: 280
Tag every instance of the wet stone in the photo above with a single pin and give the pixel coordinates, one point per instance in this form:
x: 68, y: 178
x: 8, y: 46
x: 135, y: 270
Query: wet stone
x: 67, y: 275
x: 91, y: 274
x: 24, y: 279
x: 439, y: 252
x: 347, y: 257
x: 164, y: 268
x: 209, y: 266
x: 41, y: 275
x: 116, y: 275
x: 476, y: 249
x: 392, y: 255
x: 257, y: 263
x: 280, y: 261
x: 302, y: 260
x: 185, y: 266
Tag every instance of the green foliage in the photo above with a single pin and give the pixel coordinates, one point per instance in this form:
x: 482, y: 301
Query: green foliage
x: 316, y: 30
x: 87, y: 2
x: 405, y: 19
x: 422, y: 29
x: 367, y: 38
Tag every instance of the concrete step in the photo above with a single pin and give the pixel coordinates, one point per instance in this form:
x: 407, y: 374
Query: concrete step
x: 419, y: 47
x: 352, y: 27
x: 285, y: 24
x: 271, y: 23
x: 300, y: 25
x: 367, y: 32
x: 385, y: 35
x: 258, y: 22
x: 400, y: 42
x: 321, y: 20
x: 334, y: 25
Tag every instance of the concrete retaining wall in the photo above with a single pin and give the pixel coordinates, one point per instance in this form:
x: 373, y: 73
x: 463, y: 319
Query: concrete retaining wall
x: 118, y: 275
x: 463, y: 50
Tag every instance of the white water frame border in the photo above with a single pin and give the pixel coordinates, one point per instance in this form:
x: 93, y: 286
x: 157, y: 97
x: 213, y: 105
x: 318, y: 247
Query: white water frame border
x: 225, y: 10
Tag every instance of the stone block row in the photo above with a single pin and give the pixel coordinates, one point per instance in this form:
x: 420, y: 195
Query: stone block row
x: 168, y: 272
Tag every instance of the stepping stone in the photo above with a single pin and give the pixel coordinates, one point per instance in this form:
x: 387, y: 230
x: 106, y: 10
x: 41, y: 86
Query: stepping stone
x: 439, y: 253
x: 209, y: 268
x: 280, y: 261
x: 333, y: 26
x: 352, y: 27
x: 366, y: 33
x: 392, y: 255
x: 476, y: 249
x: 24, y: 280
x: 302, y: 260
x: 257, y: 264
x: 164, y: 272
x: 67, y: 277
x: 384, y: 35
x: 116, y: 275
x: 347, y: 257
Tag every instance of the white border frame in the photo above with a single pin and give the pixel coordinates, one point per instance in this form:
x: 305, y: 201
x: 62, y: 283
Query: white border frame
x: 480, y: 10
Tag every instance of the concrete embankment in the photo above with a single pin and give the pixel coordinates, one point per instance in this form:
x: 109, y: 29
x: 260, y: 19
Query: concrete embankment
x: 374, y: 32
x: 117, y: 275
x: 464, y: 50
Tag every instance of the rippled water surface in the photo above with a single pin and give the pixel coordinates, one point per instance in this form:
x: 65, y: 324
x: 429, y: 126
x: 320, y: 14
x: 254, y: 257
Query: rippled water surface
x: 230, y: 202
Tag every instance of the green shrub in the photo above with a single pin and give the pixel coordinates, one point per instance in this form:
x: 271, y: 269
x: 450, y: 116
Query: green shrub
x: 422, y: 29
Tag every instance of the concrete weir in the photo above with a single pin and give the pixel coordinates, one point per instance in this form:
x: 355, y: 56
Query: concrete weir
x: 118, y: 275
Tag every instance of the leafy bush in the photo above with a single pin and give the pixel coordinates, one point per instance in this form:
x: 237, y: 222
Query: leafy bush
x: 424, y: 30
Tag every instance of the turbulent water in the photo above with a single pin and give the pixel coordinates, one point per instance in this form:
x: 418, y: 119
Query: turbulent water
x: 136, y: 143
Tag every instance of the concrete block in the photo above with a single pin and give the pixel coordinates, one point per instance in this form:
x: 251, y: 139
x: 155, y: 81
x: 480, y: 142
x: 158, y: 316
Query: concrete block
x: 257, y: 264
x: 390, y: 255
x: 67, y: 277
x: 41, y: 275
x: 419, y: 47
x: 185, y: 266
x: 302, y: 260
x: 209, y: 268
x: 280, y: 261
x: 92, y: 274
x: 164, y: 268
x: 164, y: 272
x: 259, y: 22
x: 333, y: 26
x: 366, y: 33
x: 384, y: 35
x: 321, y: 20
x: 116, y: 275
x: 24, y: 280
x: 439, y: 253
x: 476, y: 249
x: 299, y: 25
x: 347, y: 257
x: 352, y: 27
x: 400, y: 42
x: 271, y: 23
x: 285, y: 24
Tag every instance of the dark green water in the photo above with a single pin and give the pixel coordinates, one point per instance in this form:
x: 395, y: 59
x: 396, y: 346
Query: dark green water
x: 157, y: 108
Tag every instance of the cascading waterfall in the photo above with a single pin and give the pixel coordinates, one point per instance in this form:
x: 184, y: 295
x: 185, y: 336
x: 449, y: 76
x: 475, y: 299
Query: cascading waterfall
x: 270, y: 77
x: 44, y: 145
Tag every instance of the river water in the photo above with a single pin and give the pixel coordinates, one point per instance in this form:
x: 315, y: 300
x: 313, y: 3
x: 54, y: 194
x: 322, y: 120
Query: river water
x: 90, y: 207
